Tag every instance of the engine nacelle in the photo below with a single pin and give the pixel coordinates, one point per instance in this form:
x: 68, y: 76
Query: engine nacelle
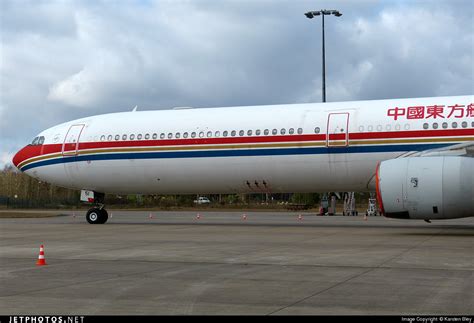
x: 426, y: 187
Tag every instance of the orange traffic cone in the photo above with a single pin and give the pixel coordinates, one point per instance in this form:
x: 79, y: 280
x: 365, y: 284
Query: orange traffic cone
x: 41, y: 261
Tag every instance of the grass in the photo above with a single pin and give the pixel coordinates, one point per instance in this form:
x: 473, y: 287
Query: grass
x: 9, y: 214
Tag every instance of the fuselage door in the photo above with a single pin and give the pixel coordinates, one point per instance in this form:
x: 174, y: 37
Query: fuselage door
x: 71, y: 141
x: 337, y: 130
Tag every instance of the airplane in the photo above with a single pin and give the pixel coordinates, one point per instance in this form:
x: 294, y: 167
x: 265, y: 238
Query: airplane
x: 416, y: 153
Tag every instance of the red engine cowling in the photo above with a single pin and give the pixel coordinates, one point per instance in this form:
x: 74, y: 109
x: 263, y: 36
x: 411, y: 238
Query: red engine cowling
x: 440, y: 187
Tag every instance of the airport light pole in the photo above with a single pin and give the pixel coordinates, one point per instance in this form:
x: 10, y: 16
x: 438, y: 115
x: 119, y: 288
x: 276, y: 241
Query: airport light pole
x: 311, y: 15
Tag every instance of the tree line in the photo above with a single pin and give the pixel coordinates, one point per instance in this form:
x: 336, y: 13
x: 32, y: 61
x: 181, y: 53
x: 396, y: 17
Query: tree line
x: 18, y: 190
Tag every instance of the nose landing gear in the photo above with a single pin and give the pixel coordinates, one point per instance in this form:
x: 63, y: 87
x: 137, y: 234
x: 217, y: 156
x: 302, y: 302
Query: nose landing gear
x: 97, y: 215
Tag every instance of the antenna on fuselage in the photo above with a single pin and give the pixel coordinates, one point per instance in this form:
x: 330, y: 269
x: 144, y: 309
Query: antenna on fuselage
x: 135, y: 109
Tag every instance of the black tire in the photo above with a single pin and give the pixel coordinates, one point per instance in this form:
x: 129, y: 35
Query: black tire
x: 104, y: 216
x: 96, y: 216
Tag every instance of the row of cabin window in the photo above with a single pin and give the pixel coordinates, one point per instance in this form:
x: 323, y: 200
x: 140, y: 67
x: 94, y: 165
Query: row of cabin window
x: 209, y: 134
x: 445, y: 125
x: 434, y: 125
x: 388, y: 127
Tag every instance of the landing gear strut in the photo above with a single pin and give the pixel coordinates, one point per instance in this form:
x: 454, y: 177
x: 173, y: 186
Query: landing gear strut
x: 97, y: 215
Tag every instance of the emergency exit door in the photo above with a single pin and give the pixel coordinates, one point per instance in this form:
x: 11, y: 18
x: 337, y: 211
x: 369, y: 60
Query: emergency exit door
x: 338, y: 130
x: 71, y: 141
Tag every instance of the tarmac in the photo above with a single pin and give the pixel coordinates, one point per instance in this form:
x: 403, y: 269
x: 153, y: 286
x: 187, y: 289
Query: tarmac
x: 224, y: 263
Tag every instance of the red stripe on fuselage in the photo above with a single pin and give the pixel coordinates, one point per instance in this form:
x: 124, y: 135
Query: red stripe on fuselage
x: 26, y: 153
x: 35, y: 151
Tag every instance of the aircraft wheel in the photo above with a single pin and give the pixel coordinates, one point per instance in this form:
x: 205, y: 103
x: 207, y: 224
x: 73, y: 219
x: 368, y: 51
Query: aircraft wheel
x: 96, y: 216
x: 104, y: 216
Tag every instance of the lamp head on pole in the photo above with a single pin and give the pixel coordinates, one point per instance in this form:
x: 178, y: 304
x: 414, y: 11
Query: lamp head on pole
x: 312, y: 14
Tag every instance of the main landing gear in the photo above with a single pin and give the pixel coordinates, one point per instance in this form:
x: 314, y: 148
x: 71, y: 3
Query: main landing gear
x: 96, y: 215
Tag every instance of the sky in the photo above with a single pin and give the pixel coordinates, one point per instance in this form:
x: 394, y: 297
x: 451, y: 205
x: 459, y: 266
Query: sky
x: 63, y: 60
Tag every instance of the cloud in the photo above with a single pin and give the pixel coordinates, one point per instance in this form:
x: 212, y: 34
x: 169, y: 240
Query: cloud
x: 65, y: 60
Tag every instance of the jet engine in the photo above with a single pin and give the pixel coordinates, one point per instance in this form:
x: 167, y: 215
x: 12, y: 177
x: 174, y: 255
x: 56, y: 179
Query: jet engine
x: 440, y: 187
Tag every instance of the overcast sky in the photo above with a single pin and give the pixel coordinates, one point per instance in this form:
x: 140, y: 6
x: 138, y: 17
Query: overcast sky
x: 62, y: 60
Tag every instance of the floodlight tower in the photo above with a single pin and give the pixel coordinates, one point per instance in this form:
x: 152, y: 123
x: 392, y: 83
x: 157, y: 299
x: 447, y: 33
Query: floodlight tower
x: 322, y: 13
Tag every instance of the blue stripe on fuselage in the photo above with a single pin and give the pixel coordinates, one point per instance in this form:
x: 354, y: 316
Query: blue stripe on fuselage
x: 236, y: 153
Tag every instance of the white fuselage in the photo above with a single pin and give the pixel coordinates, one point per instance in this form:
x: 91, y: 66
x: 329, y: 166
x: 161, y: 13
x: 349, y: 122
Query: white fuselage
x: 316, y: 147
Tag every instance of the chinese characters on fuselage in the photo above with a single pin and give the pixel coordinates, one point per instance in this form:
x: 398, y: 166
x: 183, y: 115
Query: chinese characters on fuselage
x: 432, y: 111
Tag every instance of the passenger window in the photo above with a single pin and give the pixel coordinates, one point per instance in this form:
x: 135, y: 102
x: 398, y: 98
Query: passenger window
x: 139, y: 136
x: 388, y: 127
x: 283, y: 131
x: 170, y: 135
x: 124, y: 137
x: 225, y: 133
x: 132, y: 136
x: 155, y: 136
x: 249, y: 132
x: 178, y: 135
x: 109, y: 138
x: 241, y: 133
x: 361, y: 128
x: 435, y: 125
x: 425, y: 125
x: 300, y: 131
x: 370, y: 128
x: 102, y: 138
x: 407, y: 126
x: 185, y: 135
x: 193, y: 135
x: 291, y: 131
x: 463, y: 124
x: 379, y: 127
x: 147, y: 136
x: 233, y: 133
x: 218, y: 134
x: 201, y: 134
x: 162, y: 136
x: 454, y: 125
x: 274, y: 132
x: 209, y: 134
x: 445, y: 125
x: 397, y: 126
x: 117, y: 137
x: 257, y: 132
x: 317, y: 130
x: 266, y: 132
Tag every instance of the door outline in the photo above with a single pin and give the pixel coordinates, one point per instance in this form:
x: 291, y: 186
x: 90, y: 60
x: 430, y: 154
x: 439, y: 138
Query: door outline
x: 74, y: 151
x: 328, y: 141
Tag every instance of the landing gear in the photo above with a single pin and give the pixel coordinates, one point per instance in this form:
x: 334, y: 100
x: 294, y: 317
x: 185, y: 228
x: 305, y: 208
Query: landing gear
x: 97, y: 216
